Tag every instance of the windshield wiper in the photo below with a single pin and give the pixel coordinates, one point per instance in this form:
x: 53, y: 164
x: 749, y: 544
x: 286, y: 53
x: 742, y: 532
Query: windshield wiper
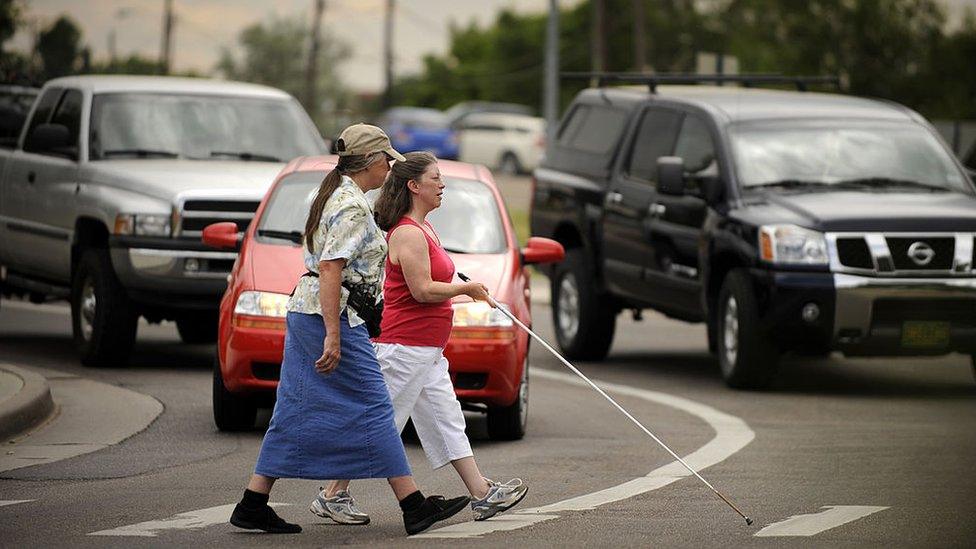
x: 887, y: 182
x: 243, y: 155
x: 141, y: 153
x: 293, y: 236
x: 790, y: 184
x: 454, y: 251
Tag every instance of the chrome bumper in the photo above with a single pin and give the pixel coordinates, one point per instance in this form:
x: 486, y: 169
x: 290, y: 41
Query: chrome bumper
x: 175, y: 263
x: 856, y: 296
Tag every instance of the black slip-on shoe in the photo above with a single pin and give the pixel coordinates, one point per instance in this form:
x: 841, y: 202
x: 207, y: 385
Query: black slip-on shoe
x: 262, y: 518
x: 433, y: 509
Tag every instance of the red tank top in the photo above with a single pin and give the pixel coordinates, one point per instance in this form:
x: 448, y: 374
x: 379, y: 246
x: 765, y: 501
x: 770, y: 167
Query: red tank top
x: 405, y: 320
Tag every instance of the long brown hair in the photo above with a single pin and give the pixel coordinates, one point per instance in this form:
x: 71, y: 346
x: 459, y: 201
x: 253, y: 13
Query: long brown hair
x: 395, y: 199
x: 346, y: 165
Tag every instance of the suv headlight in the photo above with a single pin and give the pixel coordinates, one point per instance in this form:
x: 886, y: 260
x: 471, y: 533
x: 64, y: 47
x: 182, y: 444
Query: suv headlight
x: 480, y: 314
x: 143, y: 224
x: 261, y: 304
x: 792, y: 245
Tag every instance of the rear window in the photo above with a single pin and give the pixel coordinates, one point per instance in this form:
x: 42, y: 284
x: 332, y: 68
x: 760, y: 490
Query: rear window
x: 592, y: 129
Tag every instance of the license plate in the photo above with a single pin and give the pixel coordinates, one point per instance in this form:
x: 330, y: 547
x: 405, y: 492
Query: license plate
x: 924, y: 334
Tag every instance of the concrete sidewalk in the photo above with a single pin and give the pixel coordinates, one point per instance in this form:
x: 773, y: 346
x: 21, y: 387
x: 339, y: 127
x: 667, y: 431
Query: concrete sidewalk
x: 25, y: 401
x: 91, y: 416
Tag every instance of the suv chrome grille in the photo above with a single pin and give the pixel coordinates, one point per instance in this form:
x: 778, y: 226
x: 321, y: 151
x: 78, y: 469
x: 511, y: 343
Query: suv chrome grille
x: 901, y: 254
x: 197, y: 214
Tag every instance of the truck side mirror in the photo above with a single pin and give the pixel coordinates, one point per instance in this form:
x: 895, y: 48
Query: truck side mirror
x: 50, y: 138
x: 671, y: 175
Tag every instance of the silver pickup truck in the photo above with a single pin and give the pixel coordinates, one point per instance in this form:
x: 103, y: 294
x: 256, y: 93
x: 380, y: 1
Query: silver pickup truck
x: 104, y: 197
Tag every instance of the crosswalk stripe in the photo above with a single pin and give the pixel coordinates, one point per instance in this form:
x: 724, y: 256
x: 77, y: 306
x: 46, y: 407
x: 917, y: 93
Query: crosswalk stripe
x: 6, y: 502
x: 813, y: 524
x: 192, y: 520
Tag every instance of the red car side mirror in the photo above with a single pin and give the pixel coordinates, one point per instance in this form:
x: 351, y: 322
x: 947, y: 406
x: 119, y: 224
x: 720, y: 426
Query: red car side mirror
x: 221, y: 235
x: 542, y: 250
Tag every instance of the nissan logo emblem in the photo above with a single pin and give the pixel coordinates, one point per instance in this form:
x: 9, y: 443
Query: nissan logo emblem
x: 921, y: 253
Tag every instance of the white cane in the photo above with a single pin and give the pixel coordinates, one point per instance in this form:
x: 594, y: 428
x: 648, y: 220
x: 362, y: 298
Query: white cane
x: 566, y: 363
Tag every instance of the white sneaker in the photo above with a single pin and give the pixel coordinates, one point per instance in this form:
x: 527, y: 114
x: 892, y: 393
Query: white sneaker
x: 340, y: 508
x: 500, y: 497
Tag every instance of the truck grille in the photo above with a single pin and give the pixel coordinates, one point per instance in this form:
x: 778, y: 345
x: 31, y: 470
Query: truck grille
x: 902, y: 254
x: 854, y: 252
x: 197, y: 214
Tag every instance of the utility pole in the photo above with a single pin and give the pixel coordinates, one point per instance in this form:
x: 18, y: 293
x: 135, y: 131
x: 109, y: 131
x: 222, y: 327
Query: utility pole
x: 640, y: 39
x: 550, y: 85
x: 388, y: 55
x: 166, y: 51
x: 312, y: 66
x: 598, y: 37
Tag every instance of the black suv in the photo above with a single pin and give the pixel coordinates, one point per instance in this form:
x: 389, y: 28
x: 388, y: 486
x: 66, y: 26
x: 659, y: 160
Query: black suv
x: 784, y: 220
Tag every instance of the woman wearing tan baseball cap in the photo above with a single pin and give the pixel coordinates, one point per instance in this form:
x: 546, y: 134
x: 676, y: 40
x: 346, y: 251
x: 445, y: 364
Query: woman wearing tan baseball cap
x: 333, y: 418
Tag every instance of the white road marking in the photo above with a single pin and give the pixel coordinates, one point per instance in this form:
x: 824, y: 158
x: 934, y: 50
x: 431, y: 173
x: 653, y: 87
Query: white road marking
x: 6, y: 502
x: 731, y: 435
x: 813, y: 524
x: 193, y: 520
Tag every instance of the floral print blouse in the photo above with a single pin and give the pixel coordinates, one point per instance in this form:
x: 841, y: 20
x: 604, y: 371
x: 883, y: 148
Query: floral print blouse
x: 346, y: 230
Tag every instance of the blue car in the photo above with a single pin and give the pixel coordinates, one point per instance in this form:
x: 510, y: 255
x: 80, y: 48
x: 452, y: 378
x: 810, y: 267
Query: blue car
x: 420, y: 129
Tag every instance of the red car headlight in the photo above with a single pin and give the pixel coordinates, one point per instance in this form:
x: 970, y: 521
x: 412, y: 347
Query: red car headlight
x: 261, y: 310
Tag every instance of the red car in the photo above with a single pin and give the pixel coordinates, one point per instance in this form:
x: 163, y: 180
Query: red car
x: 487, y: 352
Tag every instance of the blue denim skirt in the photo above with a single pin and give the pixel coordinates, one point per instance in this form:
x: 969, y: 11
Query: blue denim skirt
x: 331, y: 426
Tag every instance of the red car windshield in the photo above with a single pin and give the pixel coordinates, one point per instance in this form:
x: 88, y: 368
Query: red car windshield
x: 468, y: 220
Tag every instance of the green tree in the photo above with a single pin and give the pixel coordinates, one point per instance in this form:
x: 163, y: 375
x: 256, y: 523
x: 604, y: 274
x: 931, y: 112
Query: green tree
x: 11, y: 12
x: 134, y: 64
x: 274, y: 53
x: 59, y: 47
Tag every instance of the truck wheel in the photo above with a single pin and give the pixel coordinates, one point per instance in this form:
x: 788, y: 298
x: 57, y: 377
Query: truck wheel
x: 231, y: 412
x: 510, y: 422
x: 103, y: 320
x: 584, y: 321
x: 747, y: 357
x: 201, y: 328
x: 509, y: 164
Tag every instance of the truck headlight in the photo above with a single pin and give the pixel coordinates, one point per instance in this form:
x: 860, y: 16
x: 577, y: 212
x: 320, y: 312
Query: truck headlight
x: 261, y: 304
x: 480, y: 314
x: 792, y: 245
x: 143, y: 224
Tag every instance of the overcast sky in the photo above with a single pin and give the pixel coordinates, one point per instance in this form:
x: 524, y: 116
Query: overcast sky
x: 204, y: 26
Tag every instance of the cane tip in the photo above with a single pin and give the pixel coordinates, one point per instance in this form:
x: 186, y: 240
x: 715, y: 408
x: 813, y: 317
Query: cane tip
x: 748, y: 521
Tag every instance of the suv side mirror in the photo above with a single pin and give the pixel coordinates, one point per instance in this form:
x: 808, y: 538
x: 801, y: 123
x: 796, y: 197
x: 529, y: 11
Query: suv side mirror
x: 221, y: 235
x: 50, y: 138
x: 542, y: 250
x: 671, y: 175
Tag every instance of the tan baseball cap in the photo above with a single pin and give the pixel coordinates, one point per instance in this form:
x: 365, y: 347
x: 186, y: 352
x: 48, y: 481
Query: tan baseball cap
x: 365, y: 139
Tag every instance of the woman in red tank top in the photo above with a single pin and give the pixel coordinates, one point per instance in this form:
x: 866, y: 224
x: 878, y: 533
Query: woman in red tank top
x: 417, y: 320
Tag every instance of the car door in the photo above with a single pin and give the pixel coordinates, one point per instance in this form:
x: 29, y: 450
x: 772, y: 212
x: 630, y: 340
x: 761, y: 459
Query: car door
x: 45, y: 183
x: 480, y: 142
x: 628, y: 253
x: 675, y: 222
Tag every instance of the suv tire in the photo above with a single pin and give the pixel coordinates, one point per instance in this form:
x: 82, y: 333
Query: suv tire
x: 201, y: 328
x: 747, y: 357
x: 509, y: 164
x: 103, y: 320
x: 584, y: 320
x: 231, y: 412
x: 510, y: 422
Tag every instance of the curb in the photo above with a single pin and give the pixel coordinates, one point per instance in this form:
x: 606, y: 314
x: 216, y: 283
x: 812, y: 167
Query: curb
x: 29, y: 407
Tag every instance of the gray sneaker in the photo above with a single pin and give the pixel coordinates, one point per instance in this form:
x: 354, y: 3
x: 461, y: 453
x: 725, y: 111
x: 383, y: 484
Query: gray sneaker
x: 500, y: 497
x: 340, y: 508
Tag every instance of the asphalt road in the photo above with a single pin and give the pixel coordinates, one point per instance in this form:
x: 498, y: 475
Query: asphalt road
x: 864, y: 452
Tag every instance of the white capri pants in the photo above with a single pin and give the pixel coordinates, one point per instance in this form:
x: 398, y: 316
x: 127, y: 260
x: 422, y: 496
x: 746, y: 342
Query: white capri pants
x: 420, y: 387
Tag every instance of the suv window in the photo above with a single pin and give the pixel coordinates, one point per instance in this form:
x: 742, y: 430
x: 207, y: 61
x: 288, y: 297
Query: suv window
x: 695, y: 145
x: 44, y: 107
x: 592, y: 129
x: 654, y: 139
x: 68, y: 114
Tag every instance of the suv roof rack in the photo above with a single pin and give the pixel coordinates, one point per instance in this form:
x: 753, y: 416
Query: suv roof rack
x: 653, y: 80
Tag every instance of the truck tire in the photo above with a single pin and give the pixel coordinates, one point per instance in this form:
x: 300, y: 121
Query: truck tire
x: 510, y: 422
x: 747, y: 357
x: 584, y: 321
x: 201, y: 328
x: 509, y: 164
x: 231, y: 412
x: 103, y: 320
